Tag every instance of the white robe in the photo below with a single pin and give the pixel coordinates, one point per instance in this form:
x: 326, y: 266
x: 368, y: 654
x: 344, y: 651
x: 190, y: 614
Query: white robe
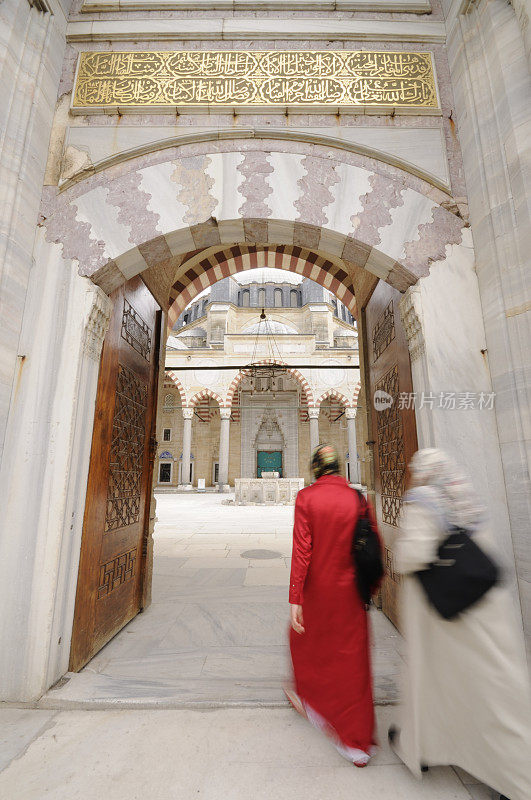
x: 465, y: 687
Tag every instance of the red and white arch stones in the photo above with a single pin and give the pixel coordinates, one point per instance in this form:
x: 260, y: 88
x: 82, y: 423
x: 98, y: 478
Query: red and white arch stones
x: 149, y: 212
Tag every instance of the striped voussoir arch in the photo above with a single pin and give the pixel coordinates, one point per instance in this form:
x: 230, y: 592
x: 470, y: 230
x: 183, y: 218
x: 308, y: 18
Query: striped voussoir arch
x: 355, y: 395
x: 206, y: 394
x: 171, y: 381
x: 336, y: 395
x: 199, y: 273
x: 333, y: 394
x: 305, y: 386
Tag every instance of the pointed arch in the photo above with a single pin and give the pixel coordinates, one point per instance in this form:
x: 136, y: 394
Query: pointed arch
x: 171, y: 381
x: 400, y: 227
x: 336, y: 395
x: 207, y: 267
x: 203, y: 395
x: 355, y: 395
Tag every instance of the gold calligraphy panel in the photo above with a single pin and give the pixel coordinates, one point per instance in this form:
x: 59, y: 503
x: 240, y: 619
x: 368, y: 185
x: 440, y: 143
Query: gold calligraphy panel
x: 255, y: 78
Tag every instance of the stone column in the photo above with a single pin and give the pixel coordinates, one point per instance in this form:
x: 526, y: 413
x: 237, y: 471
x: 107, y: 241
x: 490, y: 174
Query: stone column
x: 350, y: 414
x: 224, y: 445
x: 188, y: 414
x: 313, y: 413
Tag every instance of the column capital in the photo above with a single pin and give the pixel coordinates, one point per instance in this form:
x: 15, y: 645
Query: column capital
x: 350, y: 413
x: 188, y: 413
x: 313, y: 412
x: 225, y: 413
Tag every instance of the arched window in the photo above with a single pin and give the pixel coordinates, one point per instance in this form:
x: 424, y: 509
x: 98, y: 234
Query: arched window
x: 294, y: 298
x: 278, y: 298
x: 246, y: 298
x: 261, y: 298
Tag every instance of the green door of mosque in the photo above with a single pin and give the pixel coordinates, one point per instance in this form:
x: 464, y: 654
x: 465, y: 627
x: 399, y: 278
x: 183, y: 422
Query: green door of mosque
x: 269, y: 461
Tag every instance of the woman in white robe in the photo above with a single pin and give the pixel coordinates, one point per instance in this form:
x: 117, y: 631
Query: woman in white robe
x: 466, y: 695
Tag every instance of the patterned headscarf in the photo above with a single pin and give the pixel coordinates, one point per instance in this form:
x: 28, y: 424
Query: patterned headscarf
x: 325, y: 460
x: 438, y: 481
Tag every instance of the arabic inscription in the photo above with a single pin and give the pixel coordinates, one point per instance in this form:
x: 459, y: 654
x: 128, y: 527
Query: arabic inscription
x: 255, y: 78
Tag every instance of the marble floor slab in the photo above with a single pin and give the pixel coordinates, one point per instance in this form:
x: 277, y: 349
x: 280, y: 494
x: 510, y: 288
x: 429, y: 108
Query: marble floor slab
x: 217, y: 629
x: 224, y: 754
x: 18, y: 728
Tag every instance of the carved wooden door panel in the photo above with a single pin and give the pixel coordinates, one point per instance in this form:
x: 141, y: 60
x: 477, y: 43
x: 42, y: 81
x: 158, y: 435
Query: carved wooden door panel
x: 111, y: 565
x: 393, y: 429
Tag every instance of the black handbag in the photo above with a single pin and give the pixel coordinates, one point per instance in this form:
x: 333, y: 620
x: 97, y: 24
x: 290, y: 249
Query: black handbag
x: 367, y: 554
x: 460, y: 577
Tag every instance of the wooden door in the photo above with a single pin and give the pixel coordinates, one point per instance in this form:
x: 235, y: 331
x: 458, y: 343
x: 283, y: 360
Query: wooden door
x: 393, y: 429
x: 115, y: 525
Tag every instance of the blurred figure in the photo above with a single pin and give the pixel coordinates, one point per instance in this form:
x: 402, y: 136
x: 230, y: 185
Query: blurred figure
x: 466, y: 694
x: 329, y: 638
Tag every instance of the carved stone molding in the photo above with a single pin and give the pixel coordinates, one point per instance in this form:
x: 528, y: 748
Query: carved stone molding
x: 188, y: 413
x: 75, y: 163
x: 97, y: 323
x: 411, y: 313
x: 313, y: 413
x: 350, y: 413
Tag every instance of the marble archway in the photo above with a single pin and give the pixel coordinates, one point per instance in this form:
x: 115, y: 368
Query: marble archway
x: 184, y: 220
x: 173, y: 215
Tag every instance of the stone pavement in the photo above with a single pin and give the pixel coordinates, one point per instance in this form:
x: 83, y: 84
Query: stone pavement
x: 220, y: 754
x: 216, y: 632
x: 173, y: 706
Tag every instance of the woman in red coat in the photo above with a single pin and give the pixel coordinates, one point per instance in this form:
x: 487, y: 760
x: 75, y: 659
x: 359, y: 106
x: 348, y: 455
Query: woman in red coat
x: 329, y: 637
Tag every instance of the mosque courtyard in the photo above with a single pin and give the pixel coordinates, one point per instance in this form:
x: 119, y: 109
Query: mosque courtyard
x: 186, y: 701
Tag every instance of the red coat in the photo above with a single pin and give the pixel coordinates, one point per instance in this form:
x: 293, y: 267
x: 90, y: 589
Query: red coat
x: 331, y: 660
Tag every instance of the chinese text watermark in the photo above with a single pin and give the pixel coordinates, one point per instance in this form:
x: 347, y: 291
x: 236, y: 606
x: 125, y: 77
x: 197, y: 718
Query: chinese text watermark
x: 449, y: 401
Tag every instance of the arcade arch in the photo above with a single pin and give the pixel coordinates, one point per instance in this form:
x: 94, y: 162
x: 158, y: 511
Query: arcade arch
x: 171, y: 381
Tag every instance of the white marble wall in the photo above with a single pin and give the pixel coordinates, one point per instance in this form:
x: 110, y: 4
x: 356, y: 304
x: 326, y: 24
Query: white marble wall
x: 492, y: 88
x: 451, y: 359
x: 32, y: 45
x: 43, y: 486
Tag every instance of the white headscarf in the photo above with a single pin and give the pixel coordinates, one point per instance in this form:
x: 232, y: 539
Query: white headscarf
x: 440, y: 483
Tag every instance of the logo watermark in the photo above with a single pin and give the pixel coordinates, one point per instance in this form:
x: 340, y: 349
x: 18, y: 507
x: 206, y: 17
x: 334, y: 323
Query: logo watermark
x: 382, y: 400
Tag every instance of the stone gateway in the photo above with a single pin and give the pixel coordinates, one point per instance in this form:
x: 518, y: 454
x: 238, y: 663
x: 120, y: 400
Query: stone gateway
x: 150, y: 159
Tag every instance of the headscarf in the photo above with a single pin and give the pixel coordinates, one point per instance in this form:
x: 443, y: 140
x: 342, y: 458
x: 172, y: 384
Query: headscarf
x: 440, y: 483
x: 325, y: 460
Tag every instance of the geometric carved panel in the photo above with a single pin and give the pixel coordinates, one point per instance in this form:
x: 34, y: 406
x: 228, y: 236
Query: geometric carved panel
x: 384, y: 331
x: 117, y: 571
x: 390, y: 445
x: 135, y: 331
x: 127, y: 450
x: 390, y: 569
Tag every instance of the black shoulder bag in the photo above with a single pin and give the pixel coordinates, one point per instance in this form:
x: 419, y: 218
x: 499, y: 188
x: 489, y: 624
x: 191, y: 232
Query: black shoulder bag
x: 367, y: 554
x: 460, y: 577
